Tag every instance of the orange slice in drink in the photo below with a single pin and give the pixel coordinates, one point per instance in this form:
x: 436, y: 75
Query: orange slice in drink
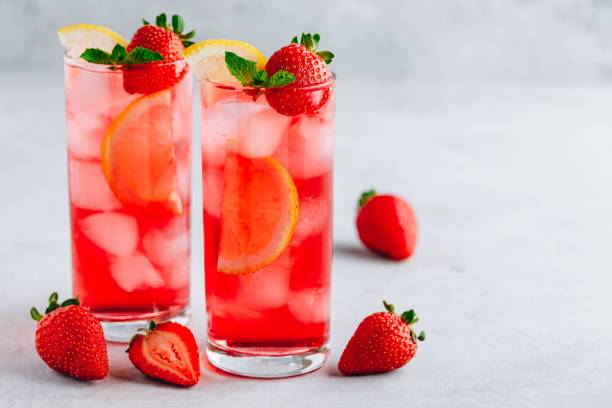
x: 260, y: 210
x: 138, y: 158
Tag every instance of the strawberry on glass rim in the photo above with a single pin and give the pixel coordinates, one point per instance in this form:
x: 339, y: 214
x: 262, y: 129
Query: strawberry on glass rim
x: 152, y: 61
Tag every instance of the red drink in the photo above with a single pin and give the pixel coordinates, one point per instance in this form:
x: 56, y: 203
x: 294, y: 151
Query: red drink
x: 129, y: 160
x: 267, y: 288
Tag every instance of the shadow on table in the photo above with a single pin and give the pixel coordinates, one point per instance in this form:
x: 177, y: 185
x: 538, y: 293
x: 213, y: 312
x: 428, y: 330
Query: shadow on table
x: 355, y: 251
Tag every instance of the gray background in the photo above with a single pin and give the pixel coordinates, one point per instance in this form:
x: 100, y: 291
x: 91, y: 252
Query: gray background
x: 516, y: 39
x: 491, y: 117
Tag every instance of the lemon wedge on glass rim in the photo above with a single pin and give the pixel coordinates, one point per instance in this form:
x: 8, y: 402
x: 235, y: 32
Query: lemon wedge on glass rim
x: 77, y: 38
x: 207, y: 58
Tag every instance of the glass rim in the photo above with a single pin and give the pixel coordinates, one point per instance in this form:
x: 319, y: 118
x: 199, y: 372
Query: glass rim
x: 237, y: 87
x: 112, y: 68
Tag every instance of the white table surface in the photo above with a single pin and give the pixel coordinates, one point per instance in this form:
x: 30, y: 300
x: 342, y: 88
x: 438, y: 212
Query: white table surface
x: 512, y: 276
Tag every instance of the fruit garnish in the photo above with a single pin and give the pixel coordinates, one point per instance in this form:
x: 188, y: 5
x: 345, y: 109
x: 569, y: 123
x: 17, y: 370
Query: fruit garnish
x: 138, y: 158
x: 77, y: 38
x: 207, y: 58
x: 386, y: 225
x: 166, y: 39
x: 259, y: 214
x: 167, y: 352
x: 120, y: 56
x: 383, y: 342
x: 247, y: 73
x: 70, y: 340
x: 309, y: 67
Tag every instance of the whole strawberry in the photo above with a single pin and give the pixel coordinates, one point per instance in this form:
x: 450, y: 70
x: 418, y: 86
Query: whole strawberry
x: 166, y: 39
x: 70, y: 340
x: 309, y: 67
x: 383, y: 342
x: 386, y: 225
x: 167, y: 352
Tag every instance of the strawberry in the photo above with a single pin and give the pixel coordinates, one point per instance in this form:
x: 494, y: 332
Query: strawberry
x: 70, y: 340
x: 309, y: 67
x: 383, y: 342
x: 169, y: 42
x: 167, y: 352
x: 386, y: 225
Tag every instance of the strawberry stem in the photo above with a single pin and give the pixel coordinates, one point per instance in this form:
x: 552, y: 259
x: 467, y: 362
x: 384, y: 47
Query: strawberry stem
x: 365, y: 197
x: 176, y: 25
x: 53, y: 305
x: 311, y: 42
x: 389, y: 307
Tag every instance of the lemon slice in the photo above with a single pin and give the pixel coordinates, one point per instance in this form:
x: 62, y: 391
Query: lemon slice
x: 260, y: 212
x: 77, y: 38
x: 138, y: 158
x: 207, y: 58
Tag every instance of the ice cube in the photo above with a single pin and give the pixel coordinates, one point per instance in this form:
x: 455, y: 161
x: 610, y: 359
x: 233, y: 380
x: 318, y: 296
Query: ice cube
x: 165, y: 245
x: 267, y: 288
x: 260, y: 130
x: 135, y: 272
x: 176, y: 275
x: 230, y: 309
x: 183, y: 179
x: 310, y: 305
x: 310, y: 147
x: 88, y: 187
x: 115, y: 233
x: 85, y: 135
x: 213, y: 187
x: 251, y: 129
x: 314, y: 216
x: 94, y: 92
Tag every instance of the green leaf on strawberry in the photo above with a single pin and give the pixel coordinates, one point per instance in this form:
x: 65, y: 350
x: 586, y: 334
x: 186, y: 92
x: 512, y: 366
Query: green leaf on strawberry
x: 176, y: 25
x: 119, y: 56
x: 311, y: 42
x: 245, y: 71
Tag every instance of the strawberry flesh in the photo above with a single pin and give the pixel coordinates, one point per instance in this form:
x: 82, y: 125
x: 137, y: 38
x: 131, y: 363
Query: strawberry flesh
x: 169, y: 353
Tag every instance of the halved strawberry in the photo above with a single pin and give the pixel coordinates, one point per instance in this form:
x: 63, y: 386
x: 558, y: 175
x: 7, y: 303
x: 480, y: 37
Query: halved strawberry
x: 167, y: 352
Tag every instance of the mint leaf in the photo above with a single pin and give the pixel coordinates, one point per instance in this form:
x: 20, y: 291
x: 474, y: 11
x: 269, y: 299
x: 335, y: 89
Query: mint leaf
x: 119, y: 54
x: 141, y: 55
x: 96, y: 56
x: 280, y: 78
x: 178, y: 24
x: 241, y: 69
x: 260, y: 78
x: 326, y: 56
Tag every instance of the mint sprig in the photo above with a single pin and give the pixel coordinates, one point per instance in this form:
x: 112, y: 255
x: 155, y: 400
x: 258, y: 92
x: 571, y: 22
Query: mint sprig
x: 120, y: 56
x: 176, y: 25
x: 311, y: 42
x: 246, y: 72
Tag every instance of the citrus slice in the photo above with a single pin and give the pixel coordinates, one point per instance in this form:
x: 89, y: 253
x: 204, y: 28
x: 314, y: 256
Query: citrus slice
x: 77, y: 38
x: 260, y: 210
x: 138, y: 158
x: 207, y: 58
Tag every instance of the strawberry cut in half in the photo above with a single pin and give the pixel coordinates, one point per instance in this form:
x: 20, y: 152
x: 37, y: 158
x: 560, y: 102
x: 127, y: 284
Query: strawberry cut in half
x: 70, y: 340
x: 167, y: 352
x: 310, y: 67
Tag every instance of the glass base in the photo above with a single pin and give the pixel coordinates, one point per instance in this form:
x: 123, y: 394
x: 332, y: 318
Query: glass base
x: 266, y: 366
x: 123, y: 331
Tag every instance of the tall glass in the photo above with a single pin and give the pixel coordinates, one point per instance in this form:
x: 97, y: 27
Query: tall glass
x: 129, y: 169
x: 267, y: 200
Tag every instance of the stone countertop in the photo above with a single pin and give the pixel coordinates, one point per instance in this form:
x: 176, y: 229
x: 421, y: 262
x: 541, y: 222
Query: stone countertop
x: 511, y: 278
